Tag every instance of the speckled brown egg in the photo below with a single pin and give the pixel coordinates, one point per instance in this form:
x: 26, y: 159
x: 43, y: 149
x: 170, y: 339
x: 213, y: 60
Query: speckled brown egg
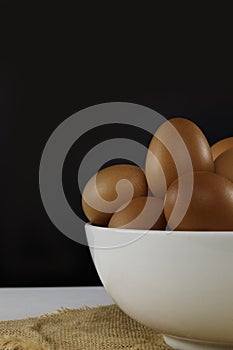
x: 109, y: 189
x: 210, y: 207
x: 177, y: 144
x: 221, y: 146
x: 224, y: 164
x: 142, y: 213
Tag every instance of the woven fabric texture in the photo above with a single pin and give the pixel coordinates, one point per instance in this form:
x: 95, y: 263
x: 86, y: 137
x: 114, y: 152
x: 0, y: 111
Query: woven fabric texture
x: 99, y: 328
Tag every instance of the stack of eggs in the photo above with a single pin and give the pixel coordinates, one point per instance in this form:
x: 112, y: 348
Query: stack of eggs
x: 187, y: 185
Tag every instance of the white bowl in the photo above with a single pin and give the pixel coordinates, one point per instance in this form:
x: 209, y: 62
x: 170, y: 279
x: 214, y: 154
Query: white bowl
x: 179, y: 283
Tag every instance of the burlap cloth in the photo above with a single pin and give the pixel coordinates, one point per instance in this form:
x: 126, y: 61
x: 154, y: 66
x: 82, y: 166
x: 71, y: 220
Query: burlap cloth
x: 99, y: 328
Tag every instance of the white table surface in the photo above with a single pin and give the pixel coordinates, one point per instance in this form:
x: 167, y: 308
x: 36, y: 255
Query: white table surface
x: 16, y: 303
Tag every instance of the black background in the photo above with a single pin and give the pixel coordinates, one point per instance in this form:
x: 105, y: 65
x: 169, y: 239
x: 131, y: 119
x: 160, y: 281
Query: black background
x: 45, y: 76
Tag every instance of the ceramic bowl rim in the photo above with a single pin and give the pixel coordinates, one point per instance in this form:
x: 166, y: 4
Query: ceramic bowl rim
x: 162, y: 232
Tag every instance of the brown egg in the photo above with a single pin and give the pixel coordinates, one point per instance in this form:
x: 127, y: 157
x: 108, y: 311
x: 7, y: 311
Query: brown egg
x: 210, y: 207
x: 221, y: 146
x: 167, y: 155
x: 111, y: 187
x: 143, y: 213
x: 224, y: 164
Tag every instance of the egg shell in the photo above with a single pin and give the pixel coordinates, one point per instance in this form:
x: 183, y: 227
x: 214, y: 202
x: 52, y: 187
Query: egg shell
x: 100, y: 198
x: 224, y: 164
x: 210, y: 208
x: 143, y: 213
x: 221, y: 146
x: 167, y: 153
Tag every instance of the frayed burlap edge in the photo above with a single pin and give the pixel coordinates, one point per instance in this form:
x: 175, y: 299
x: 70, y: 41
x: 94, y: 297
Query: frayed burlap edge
x: 12, y: 343
x: 12, y: 339
x: 16, y: 343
